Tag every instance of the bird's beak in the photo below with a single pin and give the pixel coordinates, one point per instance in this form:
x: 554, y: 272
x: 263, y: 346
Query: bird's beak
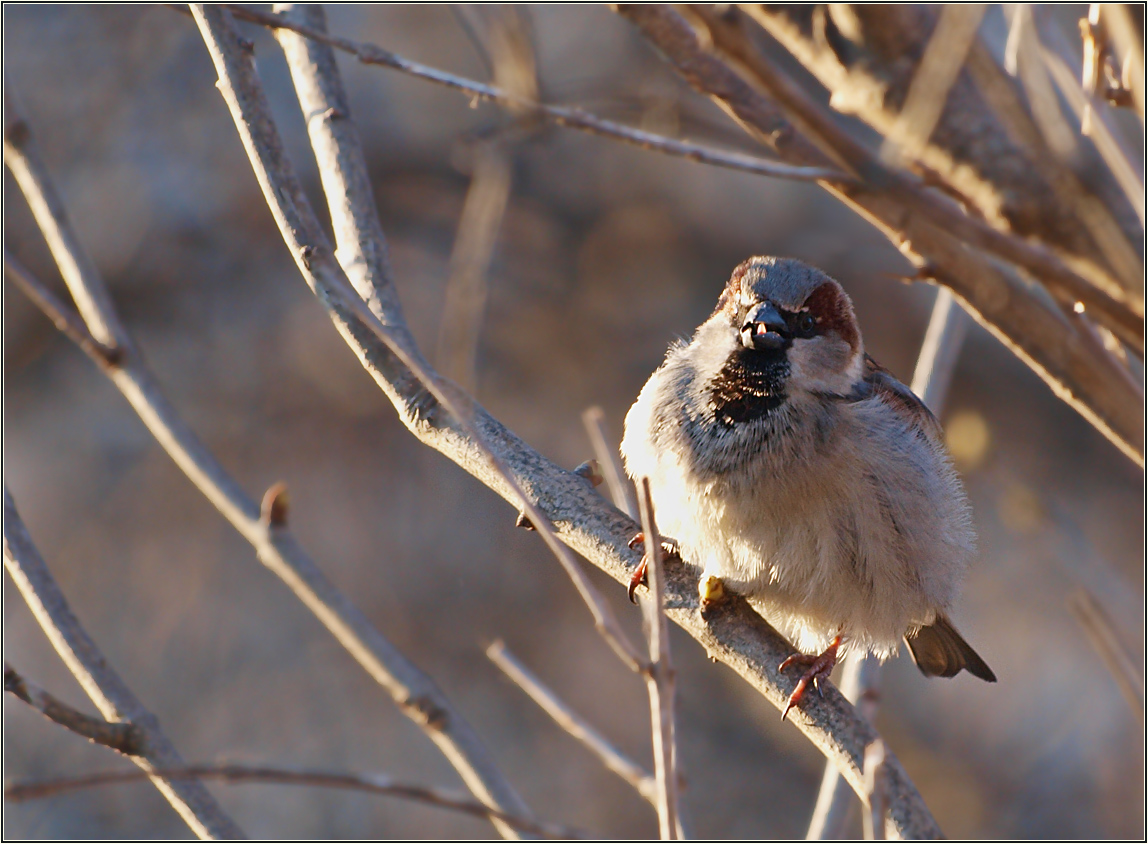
x: 764, y: 328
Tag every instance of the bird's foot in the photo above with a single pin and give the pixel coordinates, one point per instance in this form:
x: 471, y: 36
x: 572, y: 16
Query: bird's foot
x: 711, y: 591
x: 670, y: 549
x: 817, y: 668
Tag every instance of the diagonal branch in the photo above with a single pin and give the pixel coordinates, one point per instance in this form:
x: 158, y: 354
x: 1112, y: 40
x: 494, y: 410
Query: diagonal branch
x: 734, y: 634
x: 102, y: 684
x: 369, y: 783
x: 414, y: 692
x: 1060, y: 346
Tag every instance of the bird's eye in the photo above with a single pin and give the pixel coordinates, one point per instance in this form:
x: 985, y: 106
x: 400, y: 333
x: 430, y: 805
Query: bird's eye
x: 806, y: 323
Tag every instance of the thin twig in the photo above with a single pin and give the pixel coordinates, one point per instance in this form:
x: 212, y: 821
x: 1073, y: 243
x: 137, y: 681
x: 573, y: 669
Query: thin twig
x: 594, y: 421
x: 230, y: 774
x: 1101, y: 634
x: 567, y: 116
x: 570, y: 721
x: 61, y: 316
x: 119, y: 736
x: 102, y: 684
x: 660, y: 673
x: 733, y: 634
x: 414, y: 692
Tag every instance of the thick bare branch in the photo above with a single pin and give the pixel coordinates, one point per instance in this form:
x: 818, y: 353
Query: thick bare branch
x: 1060, y: 347
x: 102, y: 684
x: 413, y: 691
x: 370, y: 783
x: 733, y: 634
x: 120, y: 736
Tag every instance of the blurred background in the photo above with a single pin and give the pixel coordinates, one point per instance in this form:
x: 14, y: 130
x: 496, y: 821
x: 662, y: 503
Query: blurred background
x: 604, y: 255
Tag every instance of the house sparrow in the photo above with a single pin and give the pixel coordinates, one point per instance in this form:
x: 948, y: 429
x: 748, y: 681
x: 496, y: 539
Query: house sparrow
x: 801, y: 474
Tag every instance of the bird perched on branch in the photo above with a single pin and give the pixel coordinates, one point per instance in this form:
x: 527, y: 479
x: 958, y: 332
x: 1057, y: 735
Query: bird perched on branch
x: 798, y: 472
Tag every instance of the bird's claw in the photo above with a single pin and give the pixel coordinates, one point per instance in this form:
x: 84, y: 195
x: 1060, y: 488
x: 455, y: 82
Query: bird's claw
x: 670, y: 550
x: 817, y: 668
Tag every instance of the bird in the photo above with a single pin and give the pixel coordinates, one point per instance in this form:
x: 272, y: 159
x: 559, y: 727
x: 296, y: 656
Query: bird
x: 798, y: 472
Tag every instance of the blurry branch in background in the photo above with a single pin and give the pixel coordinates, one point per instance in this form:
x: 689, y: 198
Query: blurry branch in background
x: 503, y: 32
x: 873, y: 820
x: 1102, y: 75
x: 935, y: 76
x: 118, y: 735
x: 608, y: 460
x: 964, y: 252
x: 1090, y: 113
x: 110, y: 345
x: 660, y: 673
x: 860, y: 683
x: 937, y: 361
x: 861, y: 679
x: 1102, y: 635
x: 466, y: 289
x: 230, y: 774
x: 150, y: 749
x: 377, y: 333
x: 573, y: 118
x: 573, y: 723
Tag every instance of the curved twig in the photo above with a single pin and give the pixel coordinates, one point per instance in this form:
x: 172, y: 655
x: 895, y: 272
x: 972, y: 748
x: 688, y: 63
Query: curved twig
x: 370, y: 783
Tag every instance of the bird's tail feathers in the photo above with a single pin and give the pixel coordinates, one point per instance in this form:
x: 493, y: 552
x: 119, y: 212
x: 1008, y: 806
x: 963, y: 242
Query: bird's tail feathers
x: 940, y: 651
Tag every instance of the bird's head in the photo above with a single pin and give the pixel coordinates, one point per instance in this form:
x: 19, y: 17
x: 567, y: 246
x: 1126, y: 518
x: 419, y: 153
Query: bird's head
x: 783, y: 311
